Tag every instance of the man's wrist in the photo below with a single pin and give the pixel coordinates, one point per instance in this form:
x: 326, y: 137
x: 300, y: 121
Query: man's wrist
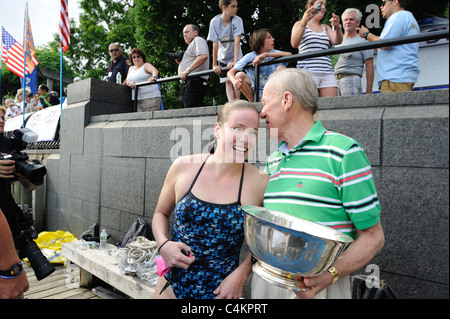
x: 334, y: 274
x: 12, y: 272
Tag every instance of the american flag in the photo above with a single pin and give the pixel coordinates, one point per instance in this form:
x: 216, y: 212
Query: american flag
x: 12, y: 54
x: 64, y: 25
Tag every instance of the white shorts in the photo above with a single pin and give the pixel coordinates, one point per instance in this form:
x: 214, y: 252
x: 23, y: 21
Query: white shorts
x: 324, y: 80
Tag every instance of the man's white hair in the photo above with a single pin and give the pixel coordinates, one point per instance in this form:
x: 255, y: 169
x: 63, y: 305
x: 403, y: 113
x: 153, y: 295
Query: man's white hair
x: 356, y: 11
x: 300, y: 84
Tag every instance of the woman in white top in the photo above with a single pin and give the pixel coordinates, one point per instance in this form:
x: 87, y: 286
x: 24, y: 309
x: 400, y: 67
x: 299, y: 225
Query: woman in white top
x: 308, y: 35
x: 149, y: 97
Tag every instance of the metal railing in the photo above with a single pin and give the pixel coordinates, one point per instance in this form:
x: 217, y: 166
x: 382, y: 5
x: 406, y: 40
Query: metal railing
x: 295, y: 57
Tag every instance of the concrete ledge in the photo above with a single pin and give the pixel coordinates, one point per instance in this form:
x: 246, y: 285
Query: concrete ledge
x: 94, y: 262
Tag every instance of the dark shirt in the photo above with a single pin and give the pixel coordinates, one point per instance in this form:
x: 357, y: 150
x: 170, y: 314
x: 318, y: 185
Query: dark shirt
x: 54, y: 100
x: 121, y: 65
x: 7, y: 202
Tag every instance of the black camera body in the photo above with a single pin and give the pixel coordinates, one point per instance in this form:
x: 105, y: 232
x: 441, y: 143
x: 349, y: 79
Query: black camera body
x: 20, y: 139
x: 175, y: 55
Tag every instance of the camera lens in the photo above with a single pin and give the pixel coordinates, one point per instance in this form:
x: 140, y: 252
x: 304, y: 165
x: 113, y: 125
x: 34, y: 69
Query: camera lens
x: 34, y: 172
x: 42, y: 268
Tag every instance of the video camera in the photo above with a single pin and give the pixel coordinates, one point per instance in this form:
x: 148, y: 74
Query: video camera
x: 175, y: 55
x: 20, y: 139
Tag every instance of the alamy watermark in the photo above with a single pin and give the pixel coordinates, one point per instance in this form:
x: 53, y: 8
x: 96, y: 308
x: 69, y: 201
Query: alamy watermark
x: 373, y: 277
x: 197, y: 140
x: 373, y: 20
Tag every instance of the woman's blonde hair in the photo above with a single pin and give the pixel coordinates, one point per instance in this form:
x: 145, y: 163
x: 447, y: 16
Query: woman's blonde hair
x: 225, y: 113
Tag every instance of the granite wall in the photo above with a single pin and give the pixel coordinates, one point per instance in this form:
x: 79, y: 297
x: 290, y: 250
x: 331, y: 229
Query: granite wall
x: 112, y: 164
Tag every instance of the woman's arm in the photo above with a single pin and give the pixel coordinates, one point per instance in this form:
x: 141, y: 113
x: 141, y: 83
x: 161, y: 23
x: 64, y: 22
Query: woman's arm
x: 150, y: 69
x: 170, y: 251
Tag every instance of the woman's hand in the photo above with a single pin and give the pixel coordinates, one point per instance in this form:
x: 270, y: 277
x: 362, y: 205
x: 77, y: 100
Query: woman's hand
x: 172, y: 254
x: 231, y: 287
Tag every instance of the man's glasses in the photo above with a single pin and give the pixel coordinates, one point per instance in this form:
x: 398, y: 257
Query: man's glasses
x: 113, y: 50
x: 383, y: 2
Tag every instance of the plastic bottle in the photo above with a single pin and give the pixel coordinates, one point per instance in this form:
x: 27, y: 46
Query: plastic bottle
x: 119, y: 78
x: 67, y: 267
x: 103, y: 237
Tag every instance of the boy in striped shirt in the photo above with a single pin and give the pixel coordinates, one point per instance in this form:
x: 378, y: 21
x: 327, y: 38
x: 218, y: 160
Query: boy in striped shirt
x: 320, y: 176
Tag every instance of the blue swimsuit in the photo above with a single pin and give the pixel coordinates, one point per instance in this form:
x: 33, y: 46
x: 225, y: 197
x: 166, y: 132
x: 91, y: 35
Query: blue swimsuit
x: 215, y: 233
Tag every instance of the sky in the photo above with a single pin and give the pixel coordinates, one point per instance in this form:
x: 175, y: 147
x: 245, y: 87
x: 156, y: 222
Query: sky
x: 44, y: 17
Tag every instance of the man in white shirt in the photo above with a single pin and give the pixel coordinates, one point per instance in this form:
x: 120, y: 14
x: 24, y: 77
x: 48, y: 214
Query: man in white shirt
x: 196, y: 58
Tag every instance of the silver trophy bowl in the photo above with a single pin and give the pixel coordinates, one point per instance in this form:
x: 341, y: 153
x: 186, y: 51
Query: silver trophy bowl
x: 288, y: 248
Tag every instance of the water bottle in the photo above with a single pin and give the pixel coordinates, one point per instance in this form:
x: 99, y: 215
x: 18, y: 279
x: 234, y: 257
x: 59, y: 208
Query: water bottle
x: 119, y: 78
x: 103, y: 237
x: 67, y: 267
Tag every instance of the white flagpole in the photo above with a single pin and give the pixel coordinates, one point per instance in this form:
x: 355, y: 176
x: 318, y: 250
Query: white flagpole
x: 24, y: 65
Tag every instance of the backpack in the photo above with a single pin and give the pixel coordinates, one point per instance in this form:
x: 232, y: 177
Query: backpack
x: 139, y: 228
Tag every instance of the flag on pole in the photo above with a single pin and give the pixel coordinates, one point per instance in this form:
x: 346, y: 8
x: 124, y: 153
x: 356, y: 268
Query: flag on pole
x: 30, y: 51
x: 64, y: 25
x: 12, y: 54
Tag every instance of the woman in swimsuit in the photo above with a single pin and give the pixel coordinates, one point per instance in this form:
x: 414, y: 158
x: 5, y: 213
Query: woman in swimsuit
x: 207, y: 191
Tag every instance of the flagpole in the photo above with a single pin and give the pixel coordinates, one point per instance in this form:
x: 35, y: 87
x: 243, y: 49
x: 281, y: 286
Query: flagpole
x: 24, y: 79
x: 1, y: 59
x: 61, y: 85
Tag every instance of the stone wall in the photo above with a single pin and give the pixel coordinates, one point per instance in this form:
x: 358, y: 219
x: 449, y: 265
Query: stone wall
x: 112, y: 164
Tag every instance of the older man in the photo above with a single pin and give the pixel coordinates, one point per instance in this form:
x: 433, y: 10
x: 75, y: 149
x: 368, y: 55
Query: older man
x: 195, y: 59
x: 325, y: 177
x: 398, y: 65
x: 350, y: 66
x: 118, y: 64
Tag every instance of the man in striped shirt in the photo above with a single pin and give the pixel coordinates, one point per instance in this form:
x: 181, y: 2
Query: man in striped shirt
x: 320, y: 176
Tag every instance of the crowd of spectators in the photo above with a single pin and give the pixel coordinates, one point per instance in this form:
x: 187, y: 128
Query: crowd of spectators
x: 397, y: 68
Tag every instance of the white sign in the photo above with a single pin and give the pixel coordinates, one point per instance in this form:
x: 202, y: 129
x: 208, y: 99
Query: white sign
x: 45, y: 122
x: 14, y: 123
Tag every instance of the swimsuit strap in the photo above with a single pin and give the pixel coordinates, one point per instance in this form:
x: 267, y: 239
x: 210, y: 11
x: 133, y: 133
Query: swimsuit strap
x: 240, y: 183
x: 198, y: 173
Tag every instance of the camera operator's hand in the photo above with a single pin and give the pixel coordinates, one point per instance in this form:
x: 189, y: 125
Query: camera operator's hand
x: 14, y: 288
x: 7, y: 168
x: 26, y: 182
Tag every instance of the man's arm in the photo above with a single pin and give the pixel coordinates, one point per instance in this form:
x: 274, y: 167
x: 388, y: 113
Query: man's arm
x: 359, y: 253
x: 370, y: 36
x: 15, y: 287
x: 369, y: 75
x: 199, y: 60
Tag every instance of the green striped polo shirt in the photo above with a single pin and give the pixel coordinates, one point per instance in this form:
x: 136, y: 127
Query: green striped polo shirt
x: 326, y: 178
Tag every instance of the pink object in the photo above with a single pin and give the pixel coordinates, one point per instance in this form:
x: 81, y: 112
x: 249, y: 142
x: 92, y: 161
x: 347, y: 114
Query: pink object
x: 161, y: 266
